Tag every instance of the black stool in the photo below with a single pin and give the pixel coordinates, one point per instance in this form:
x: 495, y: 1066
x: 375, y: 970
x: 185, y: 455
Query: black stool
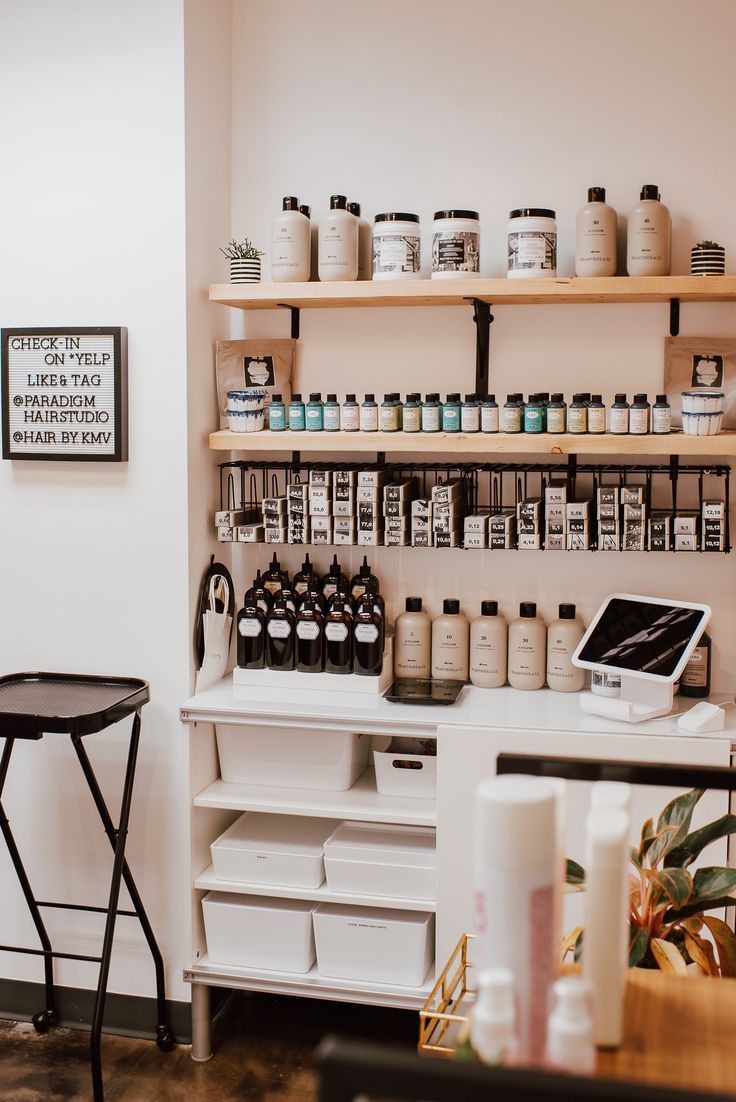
x: 34, y: 704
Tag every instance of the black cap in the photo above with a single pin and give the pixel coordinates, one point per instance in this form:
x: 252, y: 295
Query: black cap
x: 275, y: 398
x: 315, y: 396
x: 331, y: 397
x: 528, y: 609
x: 290, y: 202
x: 453, y: 398
x: 365, y: 569
x: 370, y: 397
x: 640, y: 399
x: 339, y: 605
x: 491, y: 398
x: 387, y: 397
x: 456, y: 214
x: 310, y: 605
x: 567, y: 612
x: 413, y: 604
x: 349, y: 397
x: 275, y: 564
x: 306, y: 211
x: 597, y: 399
x: 451, y: 606
x: 532, y: 212
x: 338, y: 202
x: 414, y: 397
x: 649, y: 191
x: 621, y: 399
x: 296, y: 397
x: 335, y: 565
x: 580, y: 398
x: 433, y: 397
x: 396, y: 216
x: 354, y: 208
x: 596, y: 195
x: 307, y: 565
x: 470, y: 397
x: 557, y: 398
x: 489, y: 608
x: 279, y: 602
x: 661, y: 399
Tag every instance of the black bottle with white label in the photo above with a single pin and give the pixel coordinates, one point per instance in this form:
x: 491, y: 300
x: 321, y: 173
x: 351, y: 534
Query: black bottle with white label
x: 280, y: 637
x: 339, y: 638
x: 368, y: 637
x: 303, y: 577
x: 695, y: 680
x: 259, y: 593
x: 333, y: 578
x: 310, y: 657
x: 275, y: 578
x: 251, y: 636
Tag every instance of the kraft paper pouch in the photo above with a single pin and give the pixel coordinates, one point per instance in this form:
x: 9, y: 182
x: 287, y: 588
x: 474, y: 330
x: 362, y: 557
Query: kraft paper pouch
x: 250, y: 363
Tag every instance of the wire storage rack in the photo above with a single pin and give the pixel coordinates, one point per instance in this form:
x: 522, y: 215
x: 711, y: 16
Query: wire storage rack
x: 552, y: 506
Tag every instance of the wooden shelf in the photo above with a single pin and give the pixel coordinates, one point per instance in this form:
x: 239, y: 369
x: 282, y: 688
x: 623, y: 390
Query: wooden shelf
x: 207, y: 881
x: 361, y: 802
x: 458, y: 444
x: 499, y: 292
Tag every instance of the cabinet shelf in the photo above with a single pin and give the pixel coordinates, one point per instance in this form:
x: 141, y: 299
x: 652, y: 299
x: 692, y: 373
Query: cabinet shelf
x: 207, y: 881
x: 456, y: 444
x: 499, y: 292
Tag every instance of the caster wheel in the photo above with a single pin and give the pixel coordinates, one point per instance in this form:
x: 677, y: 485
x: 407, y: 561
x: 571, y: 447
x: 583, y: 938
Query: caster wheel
x: 165, y: 1038
x: 44, y: 1020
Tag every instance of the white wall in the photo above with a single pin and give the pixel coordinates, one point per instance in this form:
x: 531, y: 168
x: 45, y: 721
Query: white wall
x: 415, y: 107
x: 94, y: 563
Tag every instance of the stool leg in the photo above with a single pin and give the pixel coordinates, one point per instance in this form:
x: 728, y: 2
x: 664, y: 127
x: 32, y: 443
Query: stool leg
x: 48, y: 1017
x: 164, y: 1036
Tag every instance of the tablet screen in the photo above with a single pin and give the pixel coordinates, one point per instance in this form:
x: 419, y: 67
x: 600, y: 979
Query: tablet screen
x: 637, y: 635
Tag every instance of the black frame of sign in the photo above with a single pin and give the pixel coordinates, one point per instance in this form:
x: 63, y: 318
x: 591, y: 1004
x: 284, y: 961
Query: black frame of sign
x: 120, y: 392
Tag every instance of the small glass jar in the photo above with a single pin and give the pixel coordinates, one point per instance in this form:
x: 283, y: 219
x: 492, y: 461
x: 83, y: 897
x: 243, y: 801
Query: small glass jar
x: 413, y: 413
x: 315, y: 413
x: 396, y: 246
x: 639, y: 415
x: 512, y: 419
x: 431, y: 413
x: 470, y: 414
x: 596, y: 414
x: 619, y: 422
x: 350, y: 414
x: 661, y: 416
x: 277, y: 414
x: 369, y: 414
x: 456, y: 244
x: 389, y: 416
x: 557, y: 414
x: 451, y: 413
x: 532, y: 243
x: 577, y: 414
x: 297, y: 422
x: 489, y: 414
x: 331, y: 413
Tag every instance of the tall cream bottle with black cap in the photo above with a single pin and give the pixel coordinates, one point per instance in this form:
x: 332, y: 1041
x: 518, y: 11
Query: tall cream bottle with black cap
x: 413, y: 641
x: 563, y: 636
x: 450, y: 643
x: 488, y: 647
x: 527, y: 648
x: 648, y: 236
x: 595, y: 236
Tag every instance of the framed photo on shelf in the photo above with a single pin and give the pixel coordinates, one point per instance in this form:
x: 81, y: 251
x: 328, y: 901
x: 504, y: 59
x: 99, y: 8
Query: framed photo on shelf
x: 694, y: 362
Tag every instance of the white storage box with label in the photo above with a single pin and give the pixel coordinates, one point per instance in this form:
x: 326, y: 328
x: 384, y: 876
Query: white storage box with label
x: 355, y: 943
x: 330, y: 760
x: 246, y: 931
x: 403, y: 770
x: 273, y: 849
x: 381, y: 859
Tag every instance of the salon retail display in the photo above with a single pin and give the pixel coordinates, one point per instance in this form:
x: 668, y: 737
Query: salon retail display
x: 707, y: 259
x: 246, y: 364
x: 648, y: 235
x: 450, y: 643
x: 396, y: 246
x: 290, y: 244
x: 527, y: 648
x: 338, y: 243
x: 365, y: 243
x: 532, y: 243
x: 488, y: 655
x: 456, y: 244
x: 563, y: 636
x: 595, y: 236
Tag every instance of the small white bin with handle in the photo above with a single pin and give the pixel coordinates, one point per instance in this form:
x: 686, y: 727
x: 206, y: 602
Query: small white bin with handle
x: 403, y: 770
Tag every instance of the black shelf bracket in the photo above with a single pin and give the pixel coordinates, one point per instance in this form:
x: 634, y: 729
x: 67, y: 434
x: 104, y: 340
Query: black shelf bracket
x: 380, y: 458
x: 296, y: 459
x: 295, y: 318
x: 674, y: 317
x: 483, y: 318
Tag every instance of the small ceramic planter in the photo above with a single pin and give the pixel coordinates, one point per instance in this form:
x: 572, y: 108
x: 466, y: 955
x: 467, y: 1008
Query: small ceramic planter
x: 707, y: 259
x: 705, y: 400
x: 701, y: 424
x: 239, y: 401
x: 245, y: 271
x: 246, y: 420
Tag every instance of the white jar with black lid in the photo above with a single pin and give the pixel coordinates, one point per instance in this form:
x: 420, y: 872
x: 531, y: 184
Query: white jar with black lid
x: 532, y: 243
x: 456, y: 244
x: 396, y: 246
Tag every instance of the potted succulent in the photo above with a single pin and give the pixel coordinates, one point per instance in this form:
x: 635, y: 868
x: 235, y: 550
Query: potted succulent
x: 669, y: 905
x: 245, y: 261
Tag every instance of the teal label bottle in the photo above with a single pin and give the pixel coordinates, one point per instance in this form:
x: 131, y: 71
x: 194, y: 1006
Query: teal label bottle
x: 297, y: 422
x: 277, y: 414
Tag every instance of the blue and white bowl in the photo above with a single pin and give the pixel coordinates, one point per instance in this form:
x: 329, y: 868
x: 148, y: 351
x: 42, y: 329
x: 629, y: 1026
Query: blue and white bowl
x: 701, y: 424
x: 703, y: 400
x: 253, y: 398
x: 246, y: 420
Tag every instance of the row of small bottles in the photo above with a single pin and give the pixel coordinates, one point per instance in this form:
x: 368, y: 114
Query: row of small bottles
x: 541, y: 412
x: 312, y: 623
x: 489, y: 652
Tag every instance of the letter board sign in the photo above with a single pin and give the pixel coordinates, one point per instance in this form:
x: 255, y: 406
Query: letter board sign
x: 65, y: 393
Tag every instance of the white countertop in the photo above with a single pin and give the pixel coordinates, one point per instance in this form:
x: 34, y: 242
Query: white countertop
x: 505, y: 708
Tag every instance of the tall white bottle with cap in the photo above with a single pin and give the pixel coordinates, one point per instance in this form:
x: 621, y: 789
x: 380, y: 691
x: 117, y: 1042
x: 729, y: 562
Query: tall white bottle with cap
x: 290, y: 244
x: 338, y: 243
x: 516, y: 869
x: 648, y: 236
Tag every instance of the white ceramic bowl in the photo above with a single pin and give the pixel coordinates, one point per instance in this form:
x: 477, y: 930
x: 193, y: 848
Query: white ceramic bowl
x: 704, y: 400
x: 252, y: 398
x: 701, y: 424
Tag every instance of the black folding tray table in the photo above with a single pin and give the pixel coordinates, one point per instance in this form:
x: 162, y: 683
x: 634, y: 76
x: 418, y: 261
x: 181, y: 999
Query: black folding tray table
x: 34, y: 704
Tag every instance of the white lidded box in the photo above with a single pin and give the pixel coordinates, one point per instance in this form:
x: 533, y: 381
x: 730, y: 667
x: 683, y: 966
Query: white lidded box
x: 328, y: 760
x: 273, y: 849
x: 403, y: 772
x: 382, y: 859
x: 355, y: 943
x: 246, y: 931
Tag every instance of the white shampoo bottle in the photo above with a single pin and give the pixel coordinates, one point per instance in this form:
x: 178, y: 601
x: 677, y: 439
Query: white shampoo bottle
x: 527, y: 648
x: 413, y: 641
x: 595, y: 236
x: 338, y: 243
x: 493, y: 1018
x: 290, y: 244
x: 563, y: 636
x: 450, y: 643
x: 648, y: 236
x: 570, y: 1031
x: 488, y: 647
x: 516, y: 870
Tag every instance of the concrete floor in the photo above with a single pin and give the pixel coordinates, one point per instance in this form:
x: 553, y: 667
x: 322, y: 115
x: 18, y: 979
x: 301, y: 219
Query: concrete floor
x: 263, y: 1053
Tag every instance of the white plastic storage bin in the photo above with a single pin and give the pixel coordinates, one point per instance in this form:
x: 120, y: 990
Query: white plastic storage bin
x: 329, y: 760
x: 245, y: 931
x: 380, y: 859
x: 273, y: 849
x: 356, y: 943
x: 402, y: 772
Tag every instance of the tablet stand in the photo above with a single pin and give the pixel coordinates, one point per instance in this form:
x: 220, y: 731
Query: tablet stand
x: 641, y: 698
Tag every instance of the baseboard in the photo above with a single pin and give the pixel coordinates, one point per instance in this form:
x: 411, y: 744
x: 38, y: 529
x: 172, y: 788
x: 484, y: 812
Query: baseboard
x: 127, y: 1015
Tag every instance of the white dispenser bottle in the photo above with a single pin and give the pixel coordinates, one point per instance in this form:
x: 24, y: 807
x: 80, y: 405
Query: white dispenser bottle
x: 563, y: 636
x: 338, y: 243
x: 450, y: 643
x: 516, y: 868
x: 365, y: 243
x: 595, y: 236
x: 290, y: 244
x: 527, y: 648
x: 413, y: 641
x: 493, y: 1018
x: 570, y: 1030
x: 607, y: 921
x: 488, y: 647
x: 648, y: 236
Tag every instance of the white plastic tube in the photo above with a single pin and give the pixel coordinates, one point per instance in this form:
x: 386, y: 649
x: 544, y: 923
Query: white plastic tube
x: 516, y: 871
x: 606, y: 921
